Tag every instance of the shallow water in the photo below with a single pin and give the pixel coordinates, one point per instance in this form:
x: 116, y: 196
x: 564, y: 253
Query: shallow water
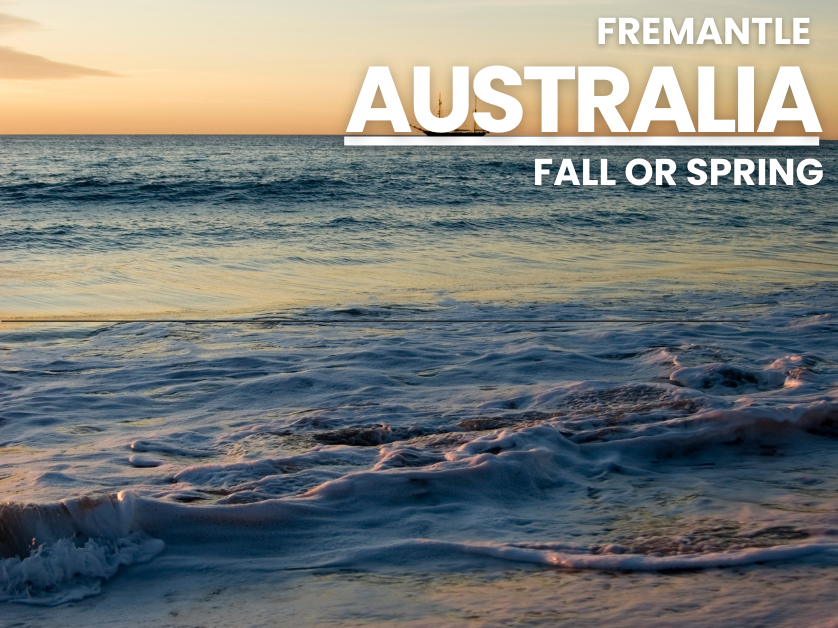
x: 382, y: 472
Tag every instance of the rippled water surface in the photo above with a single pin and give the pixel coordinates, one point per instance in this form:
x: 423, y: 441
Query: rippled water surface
x: 377, y: 471
x: 134, y: 226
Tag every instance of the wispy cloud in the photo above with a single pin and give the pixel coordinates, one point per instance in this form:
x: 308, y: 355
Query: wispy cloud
x: 14, y: 23
x: 470, y: 5
x: 15, y: 64
x: 21, y: 65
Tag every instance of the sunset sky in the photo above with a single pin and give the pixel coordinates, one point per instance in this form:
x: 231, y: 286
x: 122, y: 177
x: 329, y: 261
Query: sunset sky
x: 276, y: 66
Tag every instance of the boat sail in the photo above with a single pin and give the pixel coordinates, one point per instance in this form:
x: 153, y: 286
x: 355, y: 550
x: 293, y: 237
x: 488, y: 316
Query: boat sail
x: 473, y: 132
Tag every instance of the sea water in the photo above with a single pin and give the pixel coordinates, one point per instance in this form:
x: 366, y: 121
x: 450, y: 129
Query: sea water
x: 438, y: 439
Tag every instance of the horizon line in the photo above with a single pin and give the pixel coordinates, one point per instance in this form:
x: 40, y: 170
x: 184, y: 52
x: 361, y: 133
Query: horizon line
x: 600, y: 140
x: 365, y: 321
x: 498, y: 140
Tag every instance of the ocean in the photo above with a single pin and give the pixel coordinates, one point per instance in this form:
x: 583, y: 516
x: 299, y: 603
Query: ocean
x: 283, y: 382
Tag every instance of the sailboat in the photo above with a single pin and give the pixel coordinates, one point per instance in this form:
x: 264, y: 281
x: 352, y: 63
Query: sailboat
x: 473, y: 132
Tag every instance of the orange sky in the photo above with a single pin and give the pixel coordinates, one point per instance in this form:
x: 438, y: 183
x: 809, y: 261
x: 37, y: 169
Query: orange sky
x: 269, y: 66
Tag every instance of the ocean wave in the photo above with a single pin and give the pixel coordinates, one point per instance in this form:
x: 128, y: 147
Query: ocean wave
x: 718, y: 377
x: 575, y: 557
x: 178, y: 190
x: 67, y: 571
x: 56, y: 553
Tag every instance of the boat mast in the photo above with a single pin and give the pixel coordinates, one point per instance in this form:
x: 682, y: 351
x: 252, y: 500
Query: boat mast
x: 474, y: 117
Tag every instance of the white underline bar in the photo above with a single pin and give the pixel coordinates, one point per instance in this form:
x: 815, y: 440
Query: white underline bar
x: 554, y: 140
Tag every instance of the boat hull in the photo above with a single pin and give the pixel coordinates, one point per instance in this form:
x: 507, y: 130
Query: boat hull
x: 456, y: 133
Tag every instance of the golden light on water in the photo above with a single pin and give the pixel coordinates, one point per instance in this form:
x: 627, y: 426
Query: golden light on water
x: 244, y: 282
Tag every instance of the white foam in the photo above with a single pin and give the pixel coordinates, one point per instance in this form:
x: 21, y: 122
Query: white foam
x: 722, y: 378
x: 74, y: 546
x: 64, y: 571
x: 608, y: 561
